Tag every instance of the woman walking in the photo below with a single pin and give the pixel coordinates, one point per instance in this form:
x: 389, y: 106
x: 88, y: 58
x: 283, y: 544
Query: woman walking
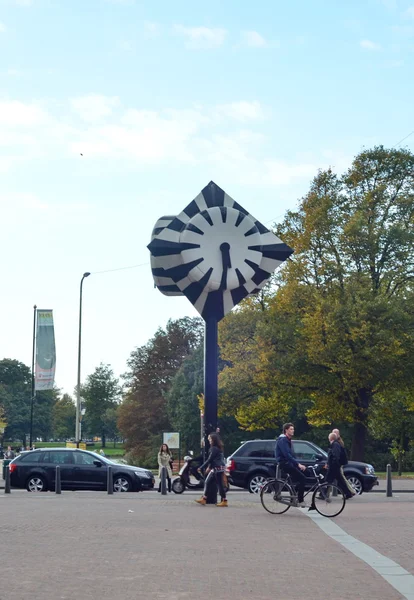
x: 164, y: 460
x: 216, y: 467
x: 343, y: 460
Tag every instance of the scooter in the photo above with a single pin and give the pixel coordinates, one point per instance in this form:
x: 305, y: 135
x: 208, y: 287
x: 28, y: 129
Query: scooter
x: 185, y: 481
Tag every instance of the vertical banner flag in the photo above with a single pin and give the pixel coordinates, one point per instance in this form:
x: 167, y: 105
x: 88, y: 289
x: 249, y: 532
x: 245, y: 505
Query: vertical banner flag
x: 45, y: 351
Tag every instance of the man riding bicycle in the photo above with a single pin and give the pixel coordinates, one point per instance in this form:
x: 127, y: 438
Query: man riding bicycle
x: 288, y: 462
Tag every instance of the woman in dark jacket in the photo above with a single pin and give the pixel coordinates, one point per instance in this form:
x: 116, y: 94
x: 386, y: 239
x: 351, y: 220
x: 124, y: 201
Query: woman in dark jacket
x: 216, y: 467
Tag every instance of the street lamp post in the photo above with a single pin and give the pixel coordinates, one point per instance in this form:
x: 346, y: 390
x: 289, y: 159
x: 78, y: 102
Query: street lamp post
x: 78, y: 394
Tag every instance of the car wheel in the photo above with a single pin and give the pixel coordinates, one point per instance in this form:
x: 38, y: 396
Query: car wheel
x: 36, y: 483
x: 122, y: 484
x: 256, y: 482
x: 356, y: 484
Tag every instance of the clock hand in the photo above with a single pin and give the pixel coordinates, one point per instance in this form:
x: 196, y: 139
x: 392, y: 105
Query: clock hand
x: 225, y: 256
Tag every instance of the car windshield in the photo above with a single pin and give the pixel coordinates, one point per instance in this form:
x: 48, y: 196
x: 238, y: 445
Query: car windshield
x: 107, y: 460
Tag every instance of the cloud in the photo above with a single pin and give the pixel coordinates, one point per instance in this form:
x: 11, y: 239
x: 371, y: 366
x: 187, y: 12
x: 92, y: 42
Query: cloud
x: 2, y: 28
x: 409, y: 13
x: 222, y: 138
x: 254, y: 39
x: 201, y: 37
x: 16, y: 113
x: 94, y: 107
x: 242, y: 111
x: 369, y: 45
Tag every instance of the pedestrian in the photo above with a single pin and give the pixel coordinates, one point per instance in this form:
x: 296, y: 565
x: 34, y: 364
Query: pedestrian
x: 33, y: 447
x: 288, y: 461
x: 334, y: 467
x: 344, y: 460
x: 164, y: 460
x: 9, y: 454
x: 215, y: 466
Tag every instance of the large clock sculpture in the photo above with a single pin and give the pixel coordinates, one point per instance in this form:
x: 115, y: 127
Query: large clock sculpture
x: 214, y: 253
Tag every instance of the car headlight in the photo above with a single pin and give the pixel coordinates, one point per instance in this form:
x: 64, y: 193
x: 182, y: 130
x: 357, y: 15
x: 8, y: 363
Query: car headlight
x: 369, y: 470
x: 142, y: 474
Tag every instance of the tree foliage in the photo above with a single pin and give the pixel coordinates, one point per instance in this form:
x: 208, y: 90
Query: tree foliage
x: 15, y: 399
x: 143, y: 413
x: 340, y: 328
x: 101, y: 394
x: 64, y: 418
x: 183, y: 408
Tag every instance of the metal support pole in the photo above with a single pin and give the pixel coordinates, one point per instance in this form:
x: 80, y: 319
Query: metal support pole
x: 78, y: 390
x: 277, y: 471
x: 210, y: 391
x: 164, y: 481
x: 33, y: 377
x: 110, y: 482
x: 335, y: 489
x: 58, y: 486
x: 210, y: 377
x: 7, y: 484
x: 389, y: 482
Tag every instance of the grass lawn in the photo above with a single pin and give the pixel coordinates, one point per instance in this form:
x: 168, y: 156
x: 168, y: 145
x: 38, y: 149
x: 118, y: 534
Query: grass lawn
x: 408, y: 475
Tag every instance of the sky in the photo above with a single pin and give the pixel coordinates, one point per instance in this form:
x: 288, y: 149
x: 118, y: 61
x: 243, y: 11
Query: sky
x: 114, y: 113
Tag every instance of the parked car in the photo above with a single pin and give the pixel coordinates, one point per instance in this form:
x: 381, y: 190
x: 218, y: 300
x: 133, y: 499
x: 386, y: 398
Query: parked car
x: 79, y: 470
x: 253, y: 463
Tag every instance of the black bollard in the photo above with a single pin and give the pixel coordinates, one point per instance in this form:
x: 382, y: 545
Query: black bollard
x: 164, y: 481
x: 58, y: 486
x: 389, y: 482
x: 7, y: 484
x: 110, y: 481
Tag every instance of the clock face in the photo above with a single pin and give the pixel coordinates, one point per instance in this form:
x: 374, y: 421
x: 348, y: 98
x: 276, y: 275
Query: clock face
x: 208, y: 230
x: 214, y: 252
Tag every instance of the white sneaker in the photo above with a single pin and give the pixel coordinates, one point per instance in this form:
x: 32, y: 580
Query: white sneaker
x: 302, y: 504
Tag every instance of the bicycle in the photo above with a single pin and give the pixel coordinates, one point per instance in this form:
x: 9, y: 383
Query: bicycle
x: 278, y: 495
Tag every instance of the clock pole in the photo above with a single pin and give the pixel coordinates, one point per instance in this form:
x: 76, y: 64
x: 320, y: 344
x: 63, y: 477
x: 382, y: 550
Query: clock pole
x: 215, y: 253
x: 210, y: 376
x: 210, y: 390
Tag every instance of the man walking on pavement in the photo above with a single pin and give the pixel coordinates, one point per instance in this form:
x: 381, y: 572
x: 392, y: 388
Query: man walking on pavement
x: 288, y: 462
x: 334, y: 466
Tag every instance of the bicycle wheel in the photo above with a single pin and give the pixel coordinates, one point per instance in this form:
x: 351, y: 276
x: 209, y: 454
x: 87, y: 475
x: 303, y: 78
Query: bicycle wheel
x: 329, y: 500
x: 276, y: 496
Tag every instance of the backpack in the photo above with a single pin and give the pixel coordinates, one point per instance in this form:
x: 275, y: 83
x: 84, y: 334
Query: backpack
x: 343, y: 459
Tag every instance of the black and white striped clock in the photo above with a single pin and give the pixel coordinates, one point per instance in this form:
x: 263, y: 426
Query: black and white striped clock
x: 214, y: 253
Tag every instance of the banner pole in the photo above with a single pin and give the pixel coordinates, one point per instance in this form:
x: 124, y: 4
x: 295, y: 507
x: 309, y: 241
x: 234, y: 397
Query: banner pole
x: 33, y: 375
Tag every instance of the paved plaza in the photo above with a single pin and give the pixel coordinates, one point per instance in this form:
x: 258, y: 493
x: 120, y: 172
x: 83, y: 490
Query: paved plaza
x: 90, y: 545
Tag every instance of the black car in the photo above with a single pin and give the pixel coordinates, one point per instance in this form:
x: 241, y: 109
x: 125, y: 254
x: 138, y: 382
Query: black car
x: 254, y: 463
x: 79, y: 470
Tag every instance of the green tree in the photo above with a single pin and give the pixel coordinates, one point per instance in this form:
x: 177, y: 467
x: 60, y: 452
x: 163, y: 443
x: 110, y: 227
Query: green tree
x: 182, y: 400
x: 143, y: 413
x: 64, y: 417
x: 339, y: 330
x: 392, y: 417
x: 15, y: 398
x: 101, y: 393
